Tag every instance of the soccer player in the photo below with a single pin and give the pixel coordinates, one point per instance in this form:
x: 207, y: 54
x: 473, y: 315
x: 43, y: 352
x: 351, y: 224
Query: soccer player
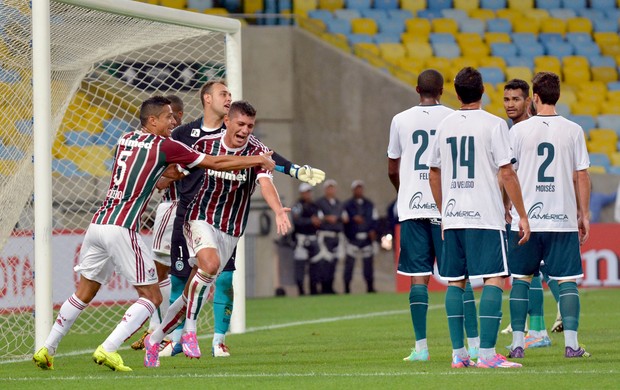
x: 112, y: 242
x: 216, y: 218
x: 411, y: 133
x: 470, y: 150
x: 550, y: 151
x: 517, y: 103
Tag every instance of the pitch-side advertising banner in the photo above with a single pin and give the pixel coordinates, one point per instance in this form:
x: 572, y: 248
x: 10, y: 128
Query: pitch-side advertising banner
x: 599, y: 256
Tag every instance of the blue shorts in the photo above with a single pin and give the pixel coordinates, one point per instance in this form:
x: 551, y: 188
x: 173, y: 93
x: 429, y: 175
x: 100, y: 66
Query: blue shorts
x: 420, y: 244
x: 473, y: 253
x: 560, y: 250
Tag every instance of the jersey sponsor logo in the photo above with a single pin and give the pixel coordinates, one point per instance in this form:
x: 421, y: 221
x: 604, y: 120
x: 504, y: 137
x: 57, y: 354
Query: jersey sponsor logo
x: 115, y: 194
x: 195, y: 133
x: 179, y: 265
x: 416, y: 203
x: 536, y: 212
x: 240, y: 177
x: 451, y: 211
x: 135, y: 144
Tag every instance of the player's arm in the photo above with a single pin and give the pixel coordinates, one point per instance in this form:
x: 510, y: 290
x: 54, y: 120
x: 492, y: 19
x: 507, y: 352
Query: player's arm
x: 233, y: 163
x: 511, y: 184
x: 583, y: 204
x: 270, y: 194
x: 394, y: 172
x: 434, y: 180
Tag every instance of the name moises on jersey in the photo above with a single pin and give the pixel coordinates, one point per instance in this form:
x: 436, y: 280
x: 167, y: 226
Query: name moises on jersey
x: 545, y: 188
x: 241, y: 177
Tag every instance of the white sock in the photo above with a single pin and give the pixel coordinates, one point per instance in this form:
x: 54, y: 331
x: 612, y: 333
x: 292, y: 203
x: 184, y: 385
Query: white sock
x: 487, y: 353
x: 420, y: 345
x: 518, y: 339
x: 164, y: 286
x: 132, y: 321
x: 570, y: 339
x: 473, y: 342
x: 535, y: 334
x: 218, y: 338
x: 461, y: 352
x: 198, y: 293
x: 69, y: 312
x: 174, y: 315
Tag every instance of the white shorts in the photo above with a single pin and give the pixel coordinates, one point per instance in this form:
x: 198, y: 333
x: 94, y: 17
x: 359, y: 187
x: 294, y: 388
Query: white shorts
x: 162, y: 231
x: 109, y: 248
x: 201, y: 235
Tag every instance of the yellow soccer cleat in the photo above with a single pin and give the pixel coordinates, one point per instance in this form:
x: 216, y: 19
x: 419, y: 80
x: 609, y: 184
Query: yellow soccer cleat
x: 110, y: 359
x: 139, y: 344
x: 43, y: 359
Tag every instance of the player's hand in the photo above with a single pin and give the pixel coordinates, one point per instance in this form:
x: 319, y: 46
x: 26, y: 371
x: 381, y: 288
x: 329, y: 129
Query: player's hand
x: 267, y: 162
x: 312, y: 176
x: 524, y: 230
x: 584, y: 230
x: 283, y: 224
x: 173, y: 172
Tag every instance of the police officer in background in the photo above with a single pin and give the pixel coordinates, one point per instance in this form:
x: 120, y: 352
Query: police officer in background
x: 360, y: 220
x: 306, y: 220
x: 329, y: 235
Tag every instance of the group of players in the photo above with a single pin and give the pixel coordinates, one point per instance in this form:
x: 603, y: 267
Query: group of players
x: 462, y: 178
x: 209, y: 206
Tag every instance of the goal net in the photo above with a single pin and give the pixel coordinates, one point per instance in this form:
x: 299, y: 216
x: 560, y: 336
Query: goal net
x: 107, y: 56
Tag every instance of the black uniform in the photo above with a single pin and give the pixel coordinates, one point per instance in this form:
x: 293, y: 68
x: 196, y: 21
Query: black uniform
x: 307, y: 246
x: 329, y: 240
x: 359, y: 241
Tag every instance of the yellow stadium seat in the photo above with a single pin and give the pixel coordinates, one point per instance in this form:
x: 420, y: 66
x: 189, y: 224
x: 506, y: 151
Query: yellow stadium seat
x: 553, y: 25
x: 597, y: 169
x: 254, y: 6
x: 604, y: 73
x: 405, y: 75
x: 579, y: 108
x: 613, y: 96
x: 366, y: 49
x: 331, y: 5
x: 567, y: 97
x: 462, y: 62
x: 481, y: 13
x: 300, y: 7
x: 445, y: 25
x: 510, y: 14
x: 364, y: 26
x: 536, y: 14
x: 615, y: 159
x: 611, y: 49
x: 593, y: 87
x: 496, y: 37
x: 520, y: 4
x: 442, y: 65
x: 467, y: 38
x: 91, y: 159
x: 587, y: 97
x: 411, y: 64
x: 603, y: 135
x: 610, y: 107
x: 412, y: 37
x: 419, y: 50
x: 518, y: 72
x: 179, y: 4
x: 575, y: 61
x: 606, y: 38
x: 579, y: 25
x: 547, y: 64
x: 492, y: 61
x: 413, y: 5
x: 392, y: 51
x: 475, y: 50
x: 9, y: 167
x: 418, y: 26
x: 216, y: 11
x: 526, y: 26
x: 604, y: 147
x: 496, y: 109
x: 466, y: 5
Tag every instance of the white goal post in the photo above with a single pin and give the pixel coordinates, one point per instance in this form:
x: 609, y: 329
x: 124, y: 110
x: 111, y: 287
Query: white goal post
x: 76, y: 71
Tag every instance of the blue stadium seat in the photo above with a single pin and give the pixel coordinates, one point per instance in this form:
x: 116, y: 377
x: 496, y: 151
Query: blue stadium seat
x: 11, y: 152
x: 390, y: 25
x: 386, y: 4
x: 402, y: 14
x: 531, y: 50
x: 609, y: 121
x: 68, y: 168
x: 602, y: 61
x: 600, y: 159
x: 9, y: 76
x: 386, y: 38
x: 493, y: 4
x: 562, y: 109
x: 441, y: 38
x: 499, y: 25
x: 603, y: 4
x: 613, y: 86
x: 503, y: 49
x: 605, y: 25
x: 559, y: 49
x: 591, y: 50
x: 430, y: 14
x: 562, y: 13
x: 359, y: 38
x: 574, y: 4
x: 586, y: 122
x: 472, y: 25
x: 347, y: 14
x: 113, y: 129
x: 613, y: 170
x: 439, y: 4
x: 358, y: 4
x: 79, y: 138
x: 376, y: 14
x: 548, y: 4
x: 321, y: 14
x: 455, y: 14
x: 579, y: 38
x: 525, y: 61
x: 523, y: 38
x: 591, y: 14
x: 446, y: 50
x: 339, y: 26
x: 200, y: 5
x: 24, y: 126
x: 550, y: 38
x: 492, y: 74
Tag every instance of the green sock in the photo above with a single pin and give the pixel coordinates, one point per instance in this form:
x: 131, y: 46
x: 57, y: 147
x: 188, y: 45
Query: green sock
x: 535, y: 309
x: 518, y: 304
x: 177, y: 285
x: 569, y: 305
x: 454, y: 310
x: 555, y: 289
x: 418, y: 305
x: 469, y: 310
x: 490, y: 315
x: 223, y: 302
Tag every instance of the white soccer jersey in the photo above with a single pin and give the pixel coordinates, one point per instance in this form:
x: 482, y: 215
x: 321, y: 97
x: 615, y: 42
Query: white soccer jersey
x: 411, y: 134
x: 470, y: 146
x: 548, y: 150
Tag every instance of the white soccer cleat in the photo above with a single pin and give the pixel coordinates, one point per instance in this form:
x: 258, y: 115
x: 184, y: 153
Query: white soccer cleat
x: 507, y: 330
x: 220, y: 350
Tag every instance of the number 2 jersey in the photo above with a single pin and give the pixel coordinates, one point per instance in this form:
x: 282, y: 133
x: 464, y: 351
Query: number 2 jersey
x: 140, y: 160
x: 549, y: 149
x: 412, y: 132
x: 223, y: 199
x: 470, y: 146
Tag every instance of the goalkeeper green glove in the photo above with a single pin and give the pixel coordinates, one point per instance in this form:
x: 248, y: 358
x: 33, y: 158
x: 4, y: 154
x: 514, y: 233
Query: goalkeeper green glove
x: 312, y: 176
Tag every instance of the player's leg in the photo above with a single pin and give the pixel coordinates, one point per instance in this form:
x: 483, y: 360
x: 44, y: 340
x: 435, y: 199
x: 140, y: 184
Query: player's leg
x: 537, y: 336
x: 555, y: 290
x: 222, y: 310
x: 471, y: 321
x: 163, y: 277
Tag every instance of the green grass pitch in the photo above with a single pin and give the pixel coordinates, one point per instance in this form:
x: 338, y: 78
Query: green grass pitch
x: 342, y: 342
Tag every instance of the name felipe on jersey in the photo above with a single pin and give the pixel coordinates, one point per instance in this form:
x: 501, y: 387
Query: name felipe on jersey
x: 241, y: 177
x: 135, y: 144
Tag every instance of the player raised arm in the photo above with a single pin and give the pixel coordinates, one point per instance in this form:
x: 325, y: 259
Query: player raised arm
x: 270, y: 194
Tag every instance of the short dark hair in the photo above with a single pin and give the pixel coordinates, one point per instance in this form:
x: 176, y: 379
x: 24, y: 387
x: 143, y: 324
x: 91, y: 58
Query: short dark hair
x: 152, y: 106
x: 468, y: 85
x: 515, y: 84
x: 547, y: 86
x: 176, y: 102
x: 430, y: 83
x: 206, y: 88
x: 242, y: 107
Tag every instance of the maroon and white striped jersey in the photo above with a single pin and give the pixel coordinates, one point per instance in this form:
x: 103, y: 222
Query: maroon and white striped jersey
x: 223, y: 200
x: 140, y: 160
